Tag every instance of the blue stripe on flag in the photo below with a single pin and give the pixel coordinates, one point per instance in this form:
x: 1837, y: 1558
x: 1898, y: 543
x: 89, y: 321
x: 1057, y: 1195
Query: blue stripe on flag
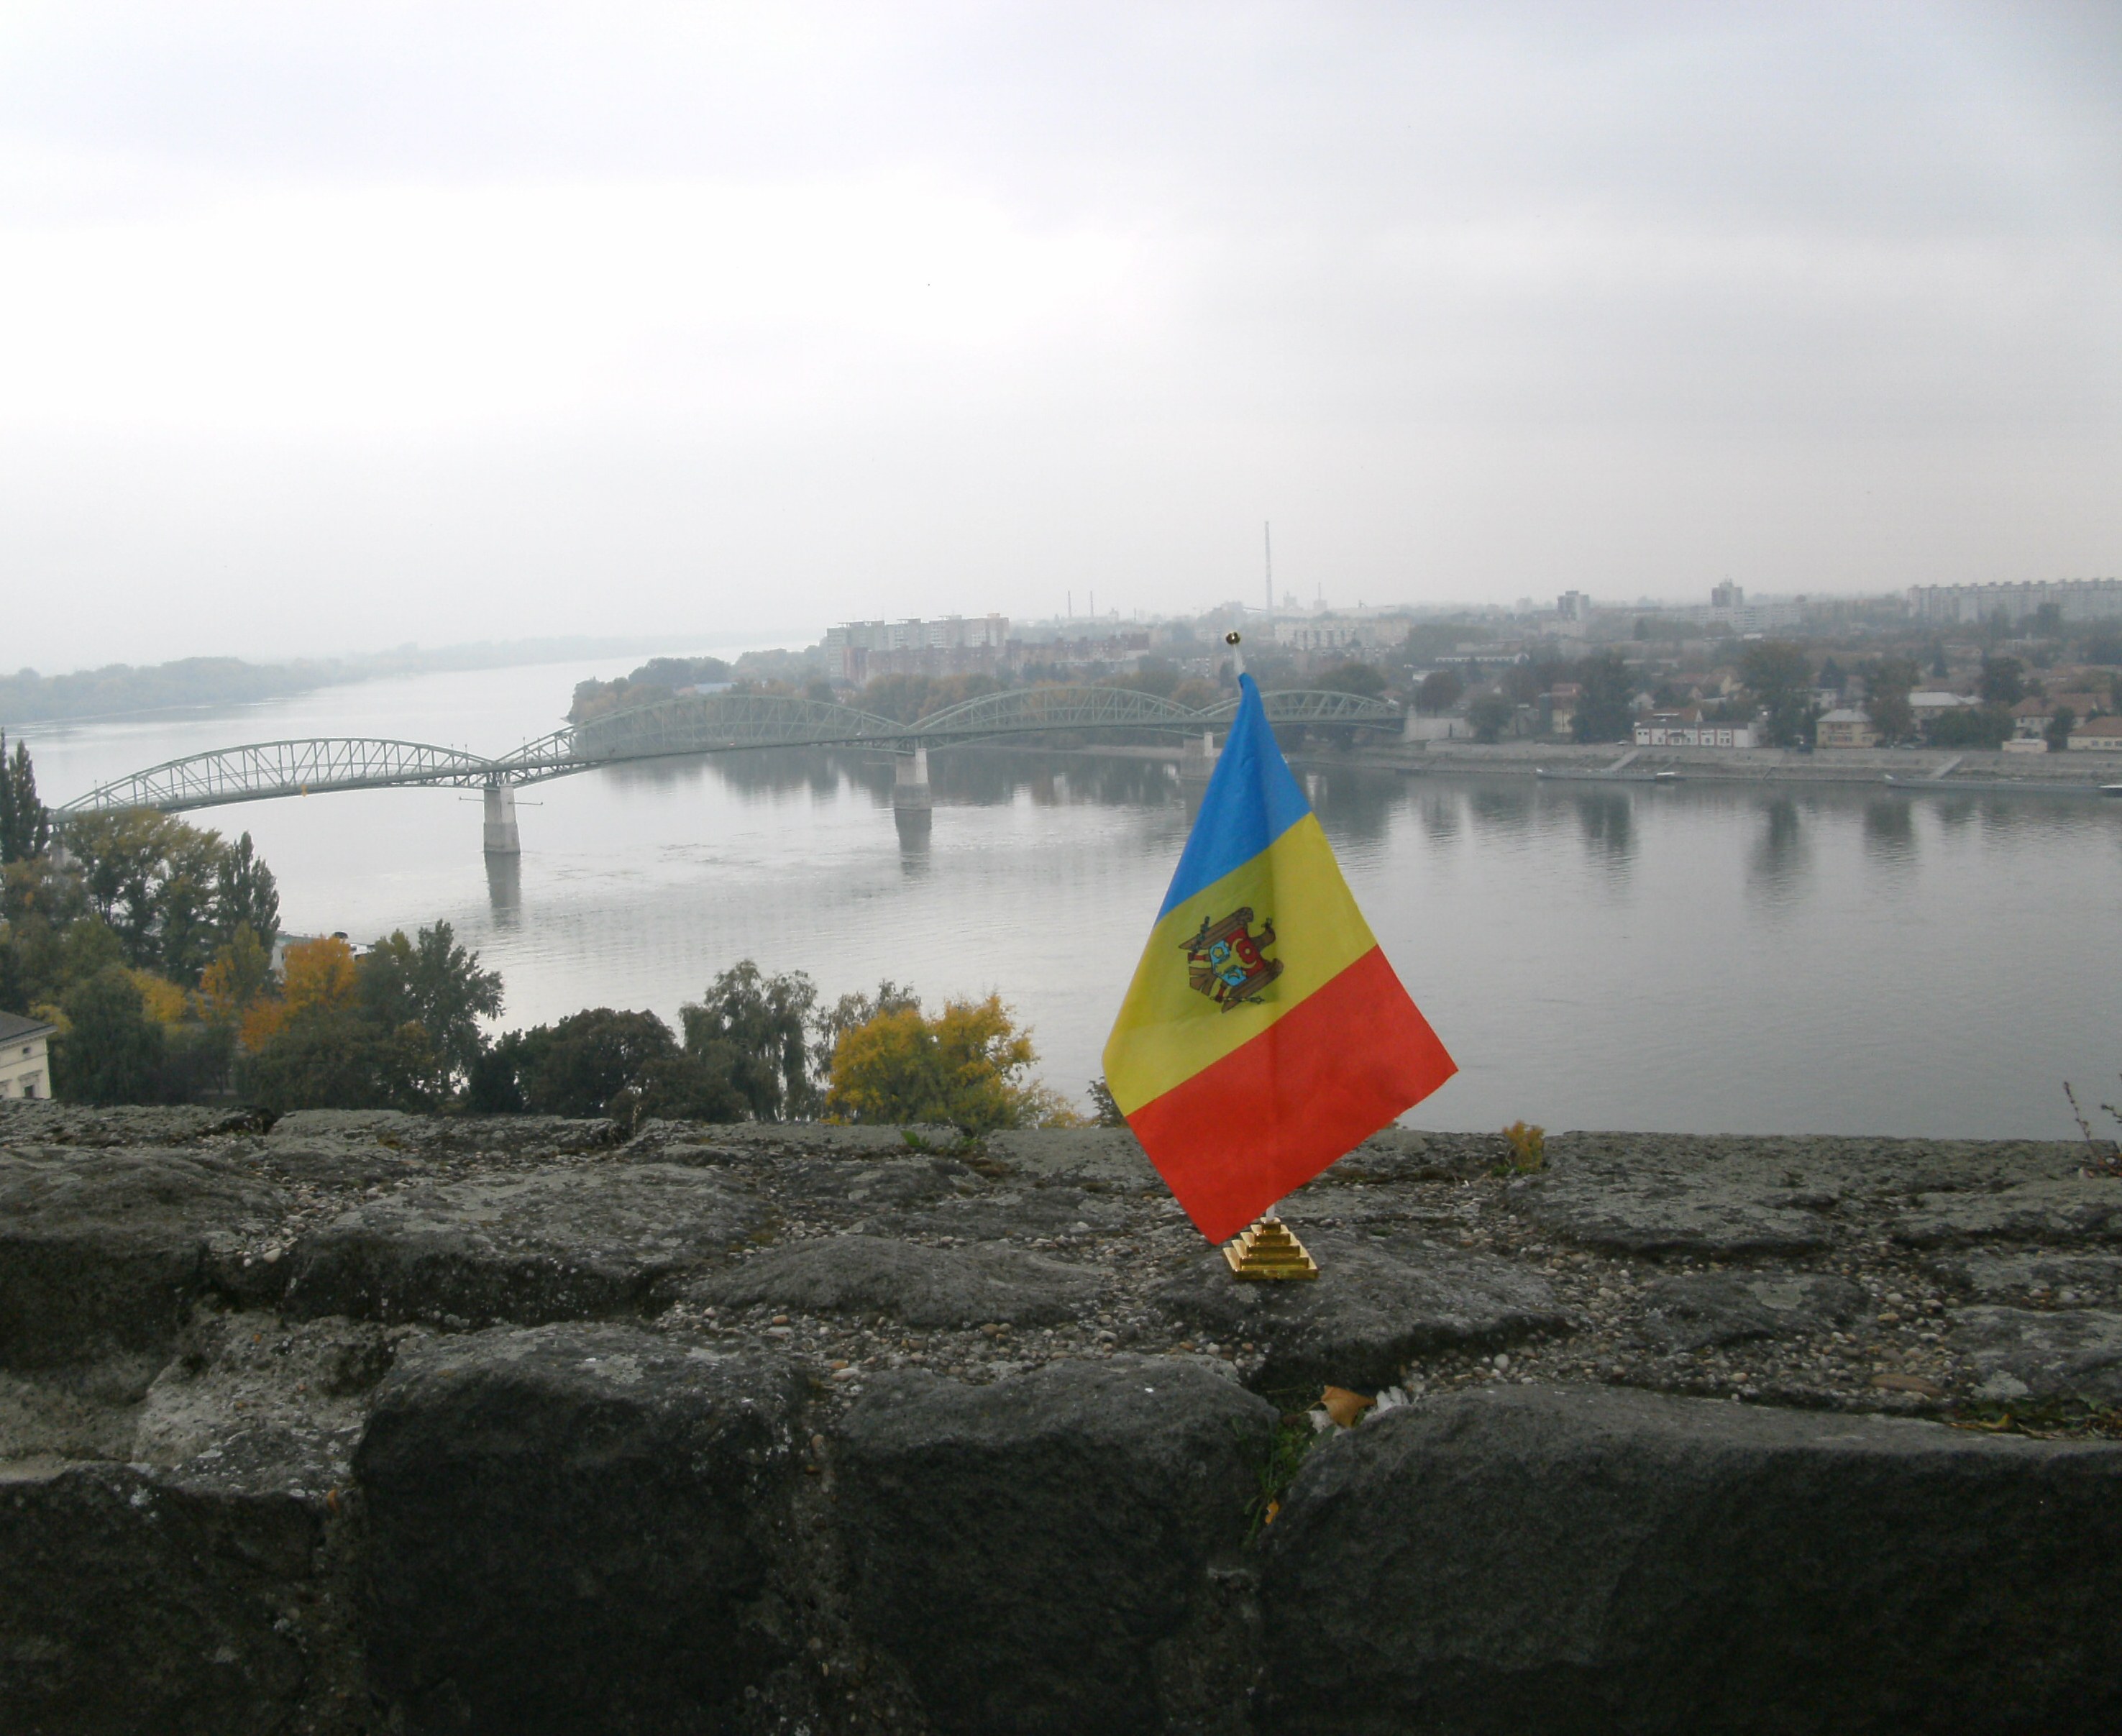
x: 1252, y: 799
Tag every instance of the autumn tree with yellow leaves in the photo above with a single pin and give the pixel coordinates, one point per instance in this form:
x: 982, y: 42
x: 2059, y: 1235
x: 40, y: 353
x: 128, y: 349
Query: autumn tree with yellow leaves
x: 967, y: 1068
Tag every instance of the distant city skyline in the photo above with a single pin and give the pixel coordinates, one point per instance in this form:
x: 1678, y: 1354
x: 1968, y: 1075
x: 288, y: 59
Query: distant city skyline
x: 326, y: 328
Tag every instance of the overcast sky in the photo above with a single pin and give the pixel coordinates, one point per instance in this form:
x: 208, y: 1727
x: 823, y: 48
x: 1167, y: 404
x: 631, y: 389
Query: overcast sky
x: 333, y: 326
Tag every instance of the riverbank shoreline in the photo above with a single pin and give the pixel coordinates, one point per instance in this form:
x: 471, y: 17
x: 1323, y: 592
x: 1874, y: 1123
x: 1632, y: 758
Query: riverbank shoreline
x: 1915, y: 770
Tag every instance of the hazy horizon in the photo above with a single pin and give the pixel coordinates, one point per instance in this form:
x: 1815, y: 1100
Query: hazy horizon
x: 349, y: 325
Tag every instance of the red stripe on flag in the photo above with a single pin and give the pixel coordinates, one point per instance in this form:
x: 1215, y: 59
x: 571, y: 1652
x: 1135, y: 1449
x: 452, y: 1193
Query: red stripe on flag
x: 1266, y: 1118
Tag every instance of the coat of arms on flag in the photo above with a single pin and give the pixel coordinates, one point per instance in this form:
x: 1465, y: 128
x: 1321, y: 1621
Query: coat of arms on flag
x: 1244, y: 1074
x: 1227, y: 962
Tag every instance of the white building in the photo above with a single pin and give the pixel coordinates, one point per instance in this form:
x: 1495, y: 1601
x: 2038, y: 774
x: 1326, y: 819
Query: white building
x: 2075, y: 600
x: 24, y: 1069
x: 1657, y: 732
x: 1337, y: 634
x: 855, y: 649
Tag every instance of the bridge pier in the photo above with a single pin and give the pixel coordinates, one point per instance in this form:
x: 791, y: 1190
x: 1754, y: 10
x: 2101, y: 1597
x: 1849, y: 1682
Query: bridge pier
x: 502, y: 837
x: 1196, y: 765
x: 909, y: 783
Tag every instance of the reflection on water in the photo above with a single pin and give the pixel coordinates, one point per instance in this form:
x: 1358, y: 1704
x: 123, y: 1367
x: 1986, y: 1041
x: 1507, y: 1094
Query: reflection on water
x: 1890, y: 828
x: 1779, y: 858
x: 1438, y: 812
x: 1606, y: 819
x: 916, y: 827
x: 504, y: 890
x: 1698, y: 956
x: 1505, y: 807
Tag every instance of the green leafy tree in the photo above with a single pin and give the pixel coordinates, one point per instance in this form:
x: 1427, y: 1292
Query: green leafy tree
x: 690, y: 1087
x: 1604, y: 713
x: 1888, y: 681
x: 241, y: 974
x: 198, y: 1061
x: 2057, y: 735
x: 1441, y: 689
x: 327, y: 1056
x: 25, y: 823
x: 1986, y: 726
x: 246, y: 895
x: 431, y: 983
x: 1365, y: 680
x: 2003, y: 680
x: 578, y: 1066
x: 172, y: 893
x: 1491, y: 714
x: 752, y: 1028
x: 1779, y: 676
x: 110, y: 1052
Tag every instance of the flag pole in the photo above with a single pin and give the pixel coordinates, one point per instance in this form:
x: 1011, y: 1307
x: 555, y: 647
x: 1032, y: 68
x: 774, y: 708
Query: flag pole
x: 1266, y: 1250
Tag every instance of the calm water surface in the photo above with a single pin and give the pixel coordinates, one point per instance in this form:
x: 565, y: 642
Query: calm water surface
x: 1697, y: 958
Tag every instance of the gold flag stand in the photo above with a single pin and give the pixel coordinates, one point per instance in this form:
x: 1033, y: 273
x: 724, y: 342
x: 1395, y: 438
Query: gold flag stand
x: 1267, y: 1251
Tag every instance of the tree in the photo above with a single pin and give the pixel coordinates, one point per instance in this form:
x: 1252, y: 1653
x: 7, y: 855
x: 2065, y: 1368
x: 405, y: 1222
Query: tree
x: 1491, y: 714
x: 241, y: 975
x: 1365, y: 680
x: 579, y: 1066
x: 246, y: 895
x: 1440, y: 691
x: 1831, y: 677
x: 1887, y: 683
x: 173, y: 894
x: 1779, y: 676
x: 965, y: 1068
x: 109, y: 1051
x: 2057, y: 733
x: 1939, y: 668
x: 2003, y: 680
x: 431, y: 983
x: 315, y: 974
x: 751, y: 1027
x: 1605, y: 711
x: 1986, y: 726
x: 25, y: 823
x: 327, y: 1056
x: 850, y: 1010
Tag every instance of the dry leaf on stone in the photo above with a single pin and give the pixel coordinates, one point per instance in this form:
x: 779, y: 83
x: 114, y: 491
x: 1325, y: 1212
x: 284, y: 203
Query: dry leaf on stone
x: 1345, y: 1407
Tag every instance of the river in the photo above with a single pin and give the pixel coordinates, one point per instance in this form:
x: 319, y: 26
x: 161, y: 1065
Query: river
x: 1701, y: 957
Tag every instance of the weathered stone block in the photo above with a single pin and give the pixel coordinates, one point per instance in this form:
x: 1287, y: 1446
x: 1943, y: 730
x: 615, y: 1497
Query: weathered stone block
x: 567, y: 1243
x: 1687, y: 1313
x: 1377, y: 1303
x: 1030, y: 1552
x: 1569, y: 1560
x: 922, y: 1286
x: 2040, y: 1354
x: 133, y: 1601
x: 570, y: 1529
x: 102, y: 1252
x: 2069, y: 1209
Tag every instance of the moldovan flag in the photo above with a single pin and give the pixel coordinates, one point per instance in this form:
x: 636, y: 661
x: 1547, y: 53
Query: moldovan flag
x: 1265, y: 1035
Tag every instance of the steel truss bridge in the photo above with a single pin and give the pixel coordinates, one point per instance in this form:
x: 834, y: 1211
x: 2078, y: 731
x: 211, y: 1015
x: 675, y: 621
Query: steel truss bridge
x: 706, y: 723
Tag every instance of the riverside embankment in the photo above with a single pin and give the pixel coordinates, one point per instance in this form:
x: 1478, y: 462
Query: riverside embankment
x: 360, y: 1422
x: 1919, y: 769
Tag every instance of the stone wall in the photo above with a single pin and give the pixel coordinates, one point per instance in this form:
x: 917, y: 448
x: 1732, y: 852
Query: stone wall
x: 360, y: 1422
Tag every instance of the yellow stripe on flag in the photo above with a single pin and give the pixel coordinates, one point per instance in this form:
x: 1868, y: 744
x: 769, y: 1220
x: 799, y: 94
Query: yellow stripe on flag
x: 1168, y: 1031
